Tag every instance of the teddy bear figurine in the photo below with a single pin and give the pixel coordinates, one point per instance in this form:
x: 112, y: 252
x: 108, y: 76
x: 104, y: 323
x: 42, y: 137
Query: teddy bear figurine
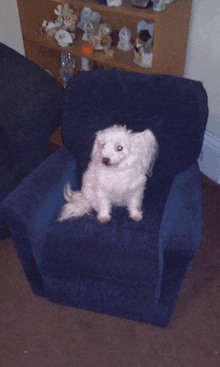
x: 69, y: 19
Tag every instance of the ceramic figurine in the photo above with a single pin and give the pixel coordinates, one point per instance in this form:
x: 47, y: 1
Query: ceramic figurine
x: 63, y: 38
x: 143, y: 56
x: 88, y: 17
x: 89, y: 22
x: 89, y: 31
x: 102, y: 40
x: 145, y: 26
x: 160, y: 5
x: 69, y: 19
x: 109, y: 53
x: 125, y: 39
x: 115, y: 3
x: 140, y: 3
x: 63, y: 29
x: 59, y: 12
x: 143, y: 50
x: 48, y: 28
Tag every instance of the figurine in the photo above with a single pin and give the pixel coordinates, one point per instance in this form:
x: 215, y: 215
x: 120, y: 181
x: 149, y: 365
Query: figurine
x: 144, y: 26
x: 69, y: 19
x: 144, y: 39
x: 63, y: 29
x: 115, y: 3
x: 48, y: 28
x: 109, y: 53
x: 124, y: 39
x: 67, y: 67
x: 63, y: 38
x: 143, y: 50
x: 143, y: 56
x: 140, y: 3
x: 66, y: 18
x: 89, y: 31
x: 160, y: 5
x: 102, y: 40
x: 88, y: 17
x: 59, y: 12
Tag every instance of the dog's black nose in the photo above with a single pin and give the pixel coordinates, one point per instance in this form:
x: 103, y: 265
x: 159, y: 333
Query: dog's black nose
x: 106, y: 161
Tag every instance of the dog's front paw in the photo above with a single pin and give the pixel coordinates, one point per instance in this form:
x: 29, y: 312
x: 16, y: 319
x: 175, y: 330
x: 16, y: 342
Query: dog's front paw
x: 103, y: 218
x: 136, y: 215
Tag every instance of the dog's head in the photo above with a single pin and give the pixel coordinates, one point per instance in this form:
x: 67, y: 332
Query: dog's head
x: 112, y: 146
x: 116, y: 146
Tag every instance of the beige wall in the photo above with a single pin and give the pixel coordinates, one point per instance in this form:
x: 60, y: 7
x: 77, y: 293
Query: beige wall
x: 203, y: 55
x: 10, y: 30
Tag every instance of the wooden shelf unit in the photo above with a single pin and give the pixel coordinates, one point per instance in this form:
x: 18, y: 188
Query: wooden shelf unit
x: 170, y: 35
x: 169, y: 44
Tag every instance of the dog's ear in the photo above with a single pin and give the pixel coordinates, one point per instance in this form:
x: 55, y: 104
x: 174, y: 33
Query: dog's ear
x: 146, y: 146
x: 95, y: 154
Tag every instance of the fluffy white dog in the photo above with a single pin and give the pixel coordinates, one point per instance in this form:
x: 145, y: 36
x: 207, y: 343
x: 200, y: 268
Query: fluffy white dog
x: 116, y: 175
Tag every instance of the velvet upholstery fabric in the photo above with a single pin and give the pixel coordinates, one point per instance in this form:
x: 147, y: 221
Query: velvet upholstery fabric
x: 29, y: 112
x: 122, y: 268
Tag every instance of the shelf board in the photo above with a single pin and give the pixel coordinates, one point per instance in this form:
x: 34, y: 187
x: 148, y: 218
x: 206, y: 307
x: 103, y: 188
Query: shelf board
x: 123, y: 60
x: 126, y: 9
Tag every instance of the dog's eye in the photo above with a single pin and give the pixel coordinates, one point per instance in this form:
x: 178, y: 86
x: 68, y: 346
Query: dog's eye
x: 119, y: 148
x: 103, y: 145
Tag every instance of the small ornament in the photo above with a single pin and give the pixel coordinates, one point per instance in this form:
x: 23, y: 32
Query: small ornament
x: 63, y: 29
x: 87, y: 50
x: 67, y: 67
x: 109, y: 53
x: 69, y: 20
x: 47, y: 28
x: 140, y: 3
x: 160, y: 5
x: 63, y: 38
x: 115, y: 3
x: 124, y: 39
x: 102, y: 40
x: 145, y: 26
x: 143, y: 56
x: 88, y: 17
x: 59, y: 12
x: 143, y: 50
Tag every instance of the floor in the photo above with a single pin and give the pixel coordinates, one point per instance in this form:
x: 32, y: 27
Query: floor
x: 37, y: 333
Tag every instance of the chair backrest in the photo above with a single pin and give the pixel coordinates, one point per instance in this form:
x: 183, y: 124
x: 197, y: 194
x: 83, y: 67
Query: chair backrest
x: 30, y: 102
x: 175, y: 109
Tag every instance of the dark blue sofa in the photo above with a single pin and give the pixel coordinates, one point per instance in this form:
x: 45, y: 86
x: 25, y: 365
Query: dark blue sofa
x: 123, y: 268
x: 30, y: 101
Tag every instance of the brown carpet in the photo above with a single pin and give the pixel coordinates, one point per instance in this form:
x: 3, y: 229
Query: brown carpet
x: 37, y: 333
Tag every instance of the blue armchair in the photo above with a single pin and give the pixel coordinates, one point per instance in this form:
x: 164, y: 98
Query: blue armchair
x: 30, y: 101
x: 123, y: 268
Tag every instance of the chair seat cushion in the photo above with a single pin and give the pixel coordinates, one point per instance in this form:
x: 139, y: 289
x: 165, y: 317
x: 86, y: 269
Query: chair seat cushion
x: 112, y: 268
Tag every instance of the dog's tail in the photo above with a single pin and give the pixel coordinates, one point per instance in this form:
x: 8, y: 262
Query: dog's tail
x: 76, y: 205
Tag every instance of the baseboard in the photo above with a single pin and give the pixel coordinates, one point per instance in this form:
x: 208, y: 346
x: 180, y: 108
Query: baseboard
x: 209, y: 159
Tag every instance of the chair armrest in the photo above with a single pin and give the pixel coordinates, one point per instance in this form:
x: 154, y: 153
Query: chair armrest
x: 179, y: 237
x: 35, y: 203
x: 182, y: 219
x: 37, y: 199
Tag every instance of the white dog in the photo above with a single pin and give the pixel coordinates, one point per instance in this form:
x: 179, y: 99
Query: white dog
x: 116, y: 175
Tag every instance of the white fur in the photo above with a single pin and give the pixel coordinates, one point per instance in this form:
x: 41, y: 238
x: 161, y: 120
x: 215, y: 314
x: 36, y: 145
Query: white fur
x: 116, y: 175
